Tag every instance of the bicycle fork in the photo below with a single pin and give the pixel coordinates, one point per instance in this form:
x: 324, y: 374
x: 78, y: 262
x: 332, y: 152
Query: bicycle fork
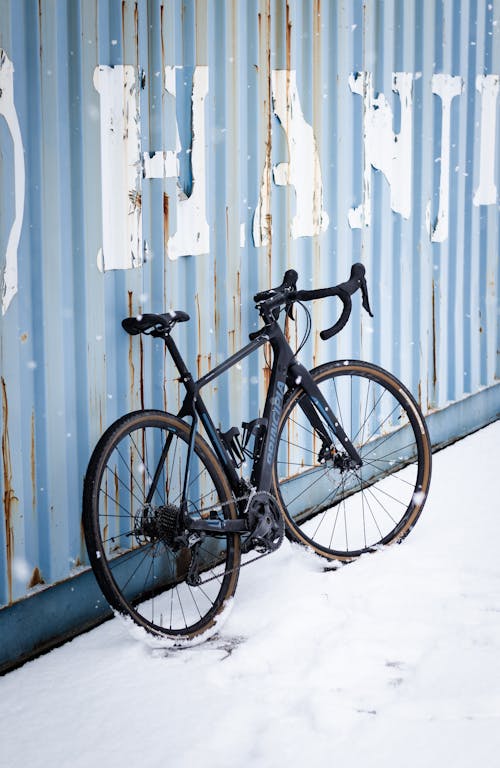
x: 322, y: 418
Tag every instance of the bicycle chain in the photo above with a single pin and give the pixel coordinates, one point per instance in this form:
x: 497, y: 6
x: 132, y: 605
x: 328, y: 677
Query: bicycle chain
x: 238, y: 567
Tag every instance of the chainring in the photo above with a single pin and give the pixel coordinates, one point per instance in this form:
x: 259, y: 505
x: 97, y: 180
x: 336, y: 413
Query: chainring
x: 266, y: 524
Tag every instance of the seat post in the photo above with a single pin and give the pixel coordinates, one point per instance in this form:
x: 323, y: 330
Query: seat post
x: 177, y: 358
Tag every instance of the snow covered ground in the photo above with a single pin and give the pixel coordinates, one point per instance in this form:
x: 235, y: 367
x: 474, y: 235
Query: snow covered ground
x: 391, y: 661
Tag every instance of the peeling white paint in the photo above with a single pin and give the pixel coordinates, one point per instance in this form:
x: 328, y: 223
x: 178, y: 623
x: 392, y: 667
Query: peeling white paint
x: 192, y: 236
x: 170, y: 84
x: 160, y: 165
x: 121, y: 167
x: 262, y: 220
x: 302, y: 171
x: 383, y: 149
x: 124, y: 167
x: 446, y: 87
x: 488, y: 86
x: 8, y: 111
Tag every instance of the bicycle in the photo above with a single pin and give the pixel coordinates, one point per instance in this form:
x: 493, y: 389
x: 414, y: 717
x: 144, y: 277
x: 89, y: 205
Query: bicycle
x: 340, y: 463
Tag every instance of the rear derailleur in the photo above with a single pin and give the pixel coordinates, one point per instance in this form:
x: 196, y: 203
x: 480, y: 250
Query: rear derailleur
x: 164, y: 523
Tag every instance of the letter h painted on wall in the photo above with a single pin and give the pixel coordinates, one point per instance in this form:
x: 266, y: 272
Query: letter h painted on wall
x: 124, y: 167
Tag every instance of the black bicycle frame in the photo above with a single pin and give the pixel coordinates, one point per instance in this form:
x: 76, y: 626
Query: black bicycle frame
x: 285, y: 373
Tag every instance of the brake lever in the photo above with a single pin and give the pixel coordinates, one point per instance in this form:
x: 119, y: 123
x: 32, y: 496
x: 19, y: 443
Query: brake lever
x: 364, y: 294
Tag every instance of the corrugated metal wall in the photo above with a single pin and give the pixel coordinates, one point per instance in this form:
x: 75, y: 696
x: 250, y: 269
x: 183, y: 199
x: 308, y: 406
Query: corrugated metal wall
x: 159, y: 155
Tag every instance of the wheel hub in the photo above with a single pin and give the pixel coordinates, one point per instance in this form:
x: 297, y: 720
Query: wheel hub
x: 340, y: 459
x: 343, y: 462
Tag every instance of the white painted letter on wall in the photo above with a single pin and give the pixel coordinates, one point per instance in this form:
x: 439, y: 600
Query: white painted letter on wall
x: 383, y: 149
x: 121, y: 167
x: 446, y: 87
x: 488, y: 86
x: 192, y: 234
x: 302, y: 171
x: 8, y: 111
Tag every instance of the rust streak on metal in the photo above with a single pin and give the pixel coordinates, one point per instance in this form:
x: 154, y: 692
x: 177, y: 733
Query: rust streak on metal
x: 41, y: 37
x: 33, y: 461
x: 267, y: 376
x: 316, y: 87
x: 198, y: 315
x: 315, y: 348
x: 232, y: 336
x: 288, y: 42
x: 198, y: 322
x: 268, y: 113
x: 9, y: 497
x: 141, y: 364
x: 265, y: 89
x: 124, y: 8
x: 36, y: 578
x: 216, y: 303
x: 162, y: 11
x: 141, y: 370
x: 135, y: 199
x: 237, y: 305
x: 130, y: 348
x: 166, y: 226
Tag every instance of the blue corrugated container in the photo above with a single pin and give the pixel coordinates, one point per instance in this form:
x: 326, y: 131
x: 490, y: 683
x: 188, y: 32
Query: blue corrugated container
x: 158, y: 155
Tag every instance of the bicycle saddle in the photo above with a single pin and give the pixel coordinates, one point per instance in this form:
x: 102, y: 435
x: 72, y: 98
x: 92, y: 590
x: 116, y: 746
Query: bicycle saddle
x: 155, y: 325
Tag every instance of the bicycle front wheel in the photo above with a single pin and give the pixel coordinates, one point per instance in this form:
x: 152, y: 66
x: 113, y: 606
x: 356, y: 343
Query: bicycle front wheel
x: 339, y: 511
x: 133, y: 494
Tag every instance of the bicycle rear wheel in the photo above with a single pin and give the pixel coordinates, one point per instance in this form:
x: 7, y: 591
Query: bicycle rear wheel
x: 132, y: 498
x: 338, y: 511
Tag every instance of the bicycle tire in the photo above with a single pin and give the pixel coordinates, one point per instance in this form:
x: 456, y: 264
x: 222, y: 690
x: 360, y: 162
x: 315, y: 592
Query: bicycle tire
x: 139, y: 567
x: 338, y: 512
